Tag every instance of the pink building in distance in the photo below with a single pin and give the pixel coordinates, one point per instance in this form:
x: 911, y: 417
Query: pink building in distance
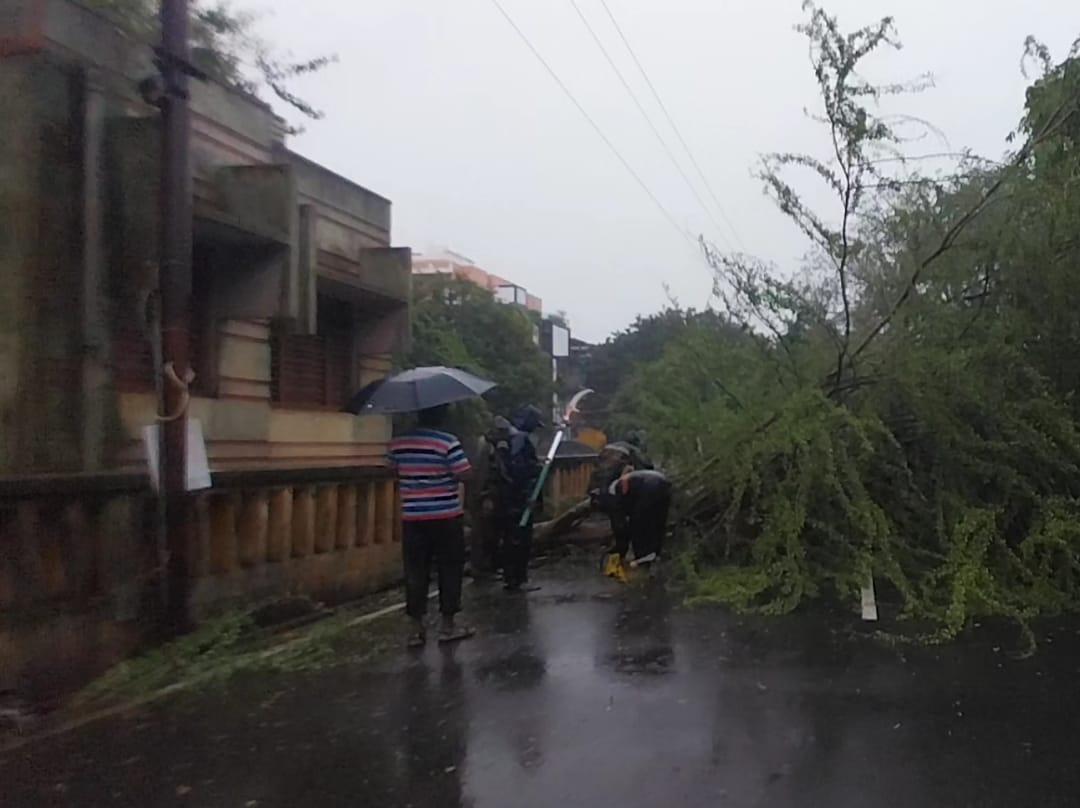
x: 444, y: 261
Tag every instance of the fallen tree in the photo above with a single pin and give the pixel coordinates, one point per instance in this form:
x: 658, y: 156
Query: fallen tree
x: 904, y: 408
x: 563, y: 523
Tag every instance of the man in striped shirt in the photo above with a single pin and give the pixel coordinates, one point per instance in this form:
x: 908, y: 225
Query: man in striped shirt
x: 430, y: 465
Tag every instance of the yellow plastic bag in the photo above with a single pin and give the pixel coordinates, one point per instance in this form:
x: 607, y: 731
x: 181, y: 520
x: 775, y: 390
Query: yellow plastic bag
x: 614, y: 568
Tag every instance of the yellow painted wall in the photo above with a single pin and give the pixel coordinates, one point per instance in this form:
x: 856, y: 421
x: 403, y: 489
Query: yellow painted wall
x: 254, y: 434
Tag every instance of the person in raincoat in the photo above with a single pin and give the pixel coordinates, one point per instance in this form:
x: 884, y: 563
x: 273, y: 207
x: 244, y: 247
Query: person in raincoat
x: 639, y: 457
x: 517, y: 469
x: 644, y: 497
x: 616, y: 459
x: 494, y: 508
x: 637, y: 502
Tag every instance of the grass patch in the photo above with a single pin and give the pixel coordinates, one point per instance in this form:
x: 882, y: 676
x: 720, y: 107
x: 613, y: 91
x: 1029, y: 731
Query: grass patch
x: 223, y: 646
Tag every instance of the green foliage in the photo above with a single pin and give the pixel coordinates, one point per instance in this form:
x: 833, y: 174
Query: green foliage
x: 905, y: 408
x: 946, y: 484
x: 231, y: 644
x: 224, y: 47
x: 704, y: 360
x: 620, y: 357
x: 458, y: 324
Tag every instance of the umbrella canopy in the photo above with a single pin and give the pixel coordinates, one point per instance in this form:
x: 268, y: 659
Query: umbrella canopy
x: 418, y: 389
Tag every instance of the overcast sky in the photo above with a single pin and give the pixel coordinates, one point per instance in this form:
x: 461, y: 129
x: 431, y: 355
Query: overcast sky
x: 438, y: 105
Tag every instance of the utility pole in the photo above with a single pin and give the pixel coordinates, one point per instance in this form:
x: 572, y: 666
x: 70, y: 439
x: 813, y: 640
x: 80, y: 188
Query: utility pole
x: 174, y: 283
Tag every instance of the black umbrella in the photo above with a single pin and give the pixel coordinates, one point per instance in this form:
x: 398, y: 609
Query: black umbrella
x: 417, y: 389
x: 361, y: 397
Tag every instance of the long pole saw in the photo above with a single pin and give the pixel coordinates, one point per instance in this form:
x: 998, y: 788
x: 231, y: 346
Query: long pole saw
x: 563, y: 428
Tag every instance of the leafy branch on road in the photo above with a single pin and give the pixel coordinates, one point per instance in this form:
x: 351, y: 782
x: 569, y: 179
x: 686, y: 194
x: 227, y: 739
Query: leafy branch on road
x: 905, y: 406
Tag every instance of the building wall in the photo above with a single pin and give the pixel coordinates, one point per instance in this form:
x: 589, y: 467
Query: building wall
x: 249, y: 191
x: 45, y: 214
x: 301, y: 500
x: 256, y: 435
x: 77, y: 554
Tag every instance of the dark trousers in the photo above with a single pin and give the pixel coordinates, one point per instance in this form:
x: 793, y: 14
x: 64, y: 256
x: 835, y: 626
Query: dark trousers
x: 647, y: 522
x: 440, y: 542
x: 517, y: 546
x: 493, y: 527
x: 620, y: 528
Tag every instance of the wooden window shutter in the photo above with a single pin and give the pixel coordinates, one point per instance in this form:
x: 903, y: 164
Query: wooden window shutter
x: 338, y: 358
x: 299, y: 370
x: 314, y: 370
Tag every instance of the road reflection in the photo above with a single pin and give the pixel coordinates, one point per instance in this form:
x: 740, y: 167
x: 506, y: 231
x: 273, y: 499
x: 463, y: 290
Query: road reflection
x: 639, y: 641
x: 433, y: 739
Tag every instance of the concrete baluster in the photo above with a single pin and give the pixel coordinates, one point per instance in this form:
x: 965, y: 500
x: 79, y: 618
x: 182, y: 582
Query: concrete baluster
x: 81, y: 549
x: 365, y: 513
x: 326, y: 518
x: 303, y: 512
x: 117, y: 562
x: 52, y: 541
x: 200, y: 537
x: 384, y: 511
x: 9, y: 545
x: 224, y: 552
x: 280, y: 530
x: 346, y: 520
x: 254, y: 521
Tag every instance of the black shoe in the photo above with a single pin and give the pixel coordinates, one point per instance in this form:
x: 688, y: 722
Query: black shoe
x: 521, y: 588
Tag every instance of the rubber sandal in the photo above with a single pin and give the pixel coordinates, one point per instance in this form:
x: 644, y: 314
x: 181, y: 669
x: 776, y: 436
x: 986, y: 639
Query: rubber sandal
x: 456, y: 634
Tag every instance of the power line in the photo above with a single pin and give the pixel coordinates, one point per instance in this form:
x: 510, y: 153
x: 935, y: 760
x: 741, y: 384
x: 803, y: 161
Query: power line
x: 607, y: 141
x: 671, y: 121
x: 648, y: 120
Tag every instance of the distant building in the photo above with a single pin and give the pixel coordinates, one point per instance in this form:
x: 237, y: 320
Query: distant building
x: 444, y: 261
x: 574, y: 368
x: 580, y: 350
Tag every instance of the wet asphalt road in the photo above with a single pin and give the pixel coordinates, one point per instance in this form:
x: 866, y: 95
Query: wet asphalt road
x: 587, y: 694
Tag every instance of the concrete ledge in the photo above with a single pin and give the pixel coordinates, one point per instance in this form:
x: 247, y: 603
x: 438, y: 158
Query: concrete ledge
x: 254, y: 200
x: 257, y: 478
x: 339, y: 193
x: 62, y: 485
x: 45, y: 485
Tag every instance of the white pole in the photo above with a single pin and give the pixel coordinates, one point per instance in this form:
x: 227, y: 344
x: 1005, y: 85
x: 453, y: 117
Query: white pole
x: 556, y: 410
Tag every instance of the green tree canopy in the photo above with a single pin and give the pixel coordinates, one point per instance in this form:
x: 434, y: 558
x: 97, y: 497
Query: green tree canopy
x: 458, y: 324
x: 613, y: 364
x: 906, y: 407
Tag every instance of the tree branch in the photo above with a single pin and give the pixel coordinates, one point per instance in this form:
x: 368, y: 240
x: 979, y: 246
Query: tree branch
x: 1055, y: 122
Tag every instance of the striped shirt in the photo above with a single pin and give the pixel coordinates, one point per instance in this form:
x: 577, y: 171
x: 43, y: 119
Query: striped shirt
x: 429, y: 464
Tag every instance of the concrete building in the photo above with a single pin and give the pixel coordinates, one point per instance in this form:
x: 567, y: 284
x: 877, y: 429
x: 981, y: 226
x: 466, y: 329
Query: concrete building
x: 298, y: 299
x: 444, y: 261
